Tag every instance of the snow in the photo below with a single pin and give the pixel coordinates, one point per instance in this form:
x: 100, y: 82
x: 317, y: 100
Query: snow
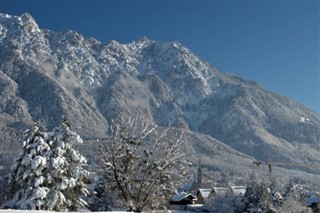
x: 98, y: 60
x: 58, y: 150
x: 90, y: 64
x: 82, y: 211
x: 304, y: 119
x: 40, y: 192
x: 181, y: 196
x: 57, y: 162
x: 38, y: 161
x: 26, y: 160
x: 33, y: 175
x: 239, y: 190
x: 205, y: 193
x: 3, y: 32
x: 182, y: 73
x: 40, y: 211
x: 39, y: 181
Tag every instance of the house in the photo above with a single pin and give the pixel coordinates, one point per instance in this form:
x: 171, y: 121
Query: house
x: 219, y: 191
x: 203, y: 195
x: 180, y: 201
x: 239, y: 190
x: 313, y: 200
x: 222, y: 191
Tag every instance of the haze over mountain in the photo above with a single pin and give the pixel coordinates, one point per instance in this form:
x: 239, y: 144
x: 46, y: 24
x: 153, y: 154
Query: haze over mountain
x: 45, y: 74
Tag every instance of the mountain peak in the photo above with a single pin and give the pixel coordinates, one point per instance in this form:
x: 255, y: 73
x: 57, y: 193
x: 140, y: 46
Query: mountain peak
x: 143, y: 40
x: 26, y: 18
x: 23, y: 20
x: 58, y: 73
x: 5, y: 16
x: 18, y: 24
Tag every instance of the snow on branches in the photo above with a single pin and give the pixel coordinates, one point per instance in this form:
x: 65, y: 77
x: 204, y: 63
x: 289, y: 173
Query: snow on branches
x: 48, y: 173
x: 142, y: 164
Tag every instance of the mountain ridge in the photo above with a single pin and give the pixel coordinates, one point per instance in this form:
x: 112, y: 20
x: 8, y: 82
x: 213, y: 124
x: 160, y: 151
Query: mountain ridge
x: 45, y: 75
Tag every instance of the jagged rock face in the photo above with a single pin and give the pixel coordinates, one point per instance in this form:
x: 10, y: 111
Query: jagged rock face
x: 37, y: 82
x: 45, y: 74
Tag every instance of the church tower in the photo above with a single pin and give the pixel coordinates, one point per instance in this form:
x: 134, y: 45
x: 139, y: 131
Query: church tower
x: 199, y: 178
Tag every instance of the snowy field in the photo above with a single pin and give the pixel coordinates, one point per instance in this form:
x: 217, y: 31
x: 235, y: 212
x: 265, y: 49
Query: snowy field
x: 26, y: 211
x: 39, y: 211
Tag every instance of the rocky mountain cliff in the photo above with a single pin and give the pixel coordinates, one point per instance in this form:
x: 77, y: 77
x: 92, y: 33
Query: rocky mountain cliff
x: 45, y: 74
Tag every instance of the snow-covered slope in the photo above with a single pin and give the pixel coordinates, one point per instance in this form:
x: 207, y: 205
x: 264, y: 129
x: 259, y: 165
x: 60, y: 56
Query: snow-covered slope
x: 45, y: 74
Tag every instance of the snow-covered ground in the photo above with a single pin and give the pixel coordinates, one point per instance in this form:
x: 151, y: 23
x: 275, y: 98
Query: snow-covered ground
x: 40, y: 211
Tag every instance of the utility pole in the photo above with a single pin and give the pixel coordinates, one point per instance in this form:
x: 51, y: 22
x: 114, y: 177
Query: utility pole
x: 258, y: 163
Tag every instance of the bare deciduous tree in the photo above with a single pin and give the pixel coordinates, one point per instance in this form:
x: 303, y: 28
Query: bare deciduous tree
x: 143, y: 164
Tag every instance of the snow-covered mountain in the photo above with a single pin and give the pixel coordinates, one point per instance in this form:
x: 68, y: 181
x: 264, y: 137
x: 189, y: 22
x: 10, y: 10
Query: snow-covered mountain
x: 45, y: 74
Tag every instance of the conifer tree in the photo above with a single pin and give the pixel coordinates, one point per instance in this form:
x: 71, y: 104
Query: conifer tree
x: 48, y: 173
x: 253, y: 193
x: 275, y: 195
x: 264, y: 204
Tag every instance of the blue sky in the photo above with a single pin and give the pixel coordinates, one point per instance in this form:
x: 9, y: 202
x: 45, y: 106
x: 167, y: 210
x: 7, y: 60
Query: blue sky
x: 273, y: 42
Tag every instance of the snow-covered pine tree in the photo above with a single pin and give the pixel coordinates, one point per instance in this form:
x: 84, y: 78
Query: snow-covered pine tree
x: 254, y: 193
x: 144, y: 166
x: 264, y: 204
x: 68, y: 167
x: 257, y: 197
x: 24, y: 189
x: 48, y: 173
x: 275, y: 195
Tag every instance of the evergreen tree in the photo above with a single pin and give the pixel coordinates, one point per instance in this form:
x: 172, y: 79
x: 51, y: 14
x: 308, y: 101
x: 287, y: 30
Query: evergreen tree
x: 257, y: 197
x: 253, y: 193
x: 48, y: 173
x: 275, y: 195
x: 289, y: 189
x: 264, y: 204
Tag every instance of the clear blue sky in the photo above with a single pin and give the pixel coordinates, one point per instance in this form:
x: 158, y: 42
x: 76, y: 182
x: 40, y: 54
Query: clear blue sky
x: 273, y: 42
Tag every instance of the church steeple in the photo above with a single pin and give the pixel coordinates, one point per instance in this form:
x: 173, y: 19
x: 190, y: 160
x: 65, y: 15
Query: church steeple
x: 199, y: 178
